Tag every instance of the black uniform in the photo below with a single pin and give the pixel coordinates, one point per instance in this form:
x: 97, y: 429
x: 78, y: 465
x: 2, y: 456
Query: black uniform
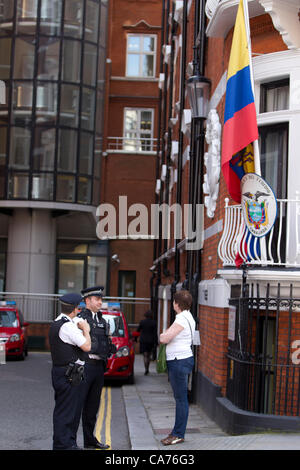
x: 94, y: 373
x: 67, y: 396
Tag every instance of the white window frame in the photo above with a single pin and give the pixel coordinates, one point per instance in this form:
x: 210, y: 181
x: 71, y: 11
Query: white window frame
x: 141, y: 53
x: 136, y: 144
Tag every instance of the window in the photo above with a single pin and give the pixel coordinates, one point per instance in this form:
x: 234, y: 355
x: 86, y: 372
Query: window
x: 138, y: 129
x: 274, y: 157
x: 274, y: 96
x: 141, y: 50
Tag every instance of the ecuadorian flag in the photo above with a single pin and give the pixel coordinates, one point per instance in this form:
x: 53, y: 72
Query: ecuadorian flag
x: 240, y: 124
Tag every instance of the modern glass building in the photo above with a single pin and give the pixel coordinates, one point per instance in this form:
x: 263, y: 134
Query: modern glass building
x: 52, y: 61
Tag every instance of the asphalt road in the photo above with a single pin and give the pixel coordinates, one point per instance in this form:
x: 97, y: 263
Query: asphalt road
x: 27, y: 402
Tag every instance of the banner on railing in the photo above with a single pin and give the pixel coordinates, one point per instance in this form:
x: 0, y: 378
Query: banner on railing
x: 259, y: 204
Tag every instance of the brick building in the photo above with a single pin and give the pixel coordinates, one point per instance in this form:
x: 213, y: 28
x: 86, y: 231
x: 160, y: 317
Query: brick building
x: 130, y: 143
x: 246, y: 375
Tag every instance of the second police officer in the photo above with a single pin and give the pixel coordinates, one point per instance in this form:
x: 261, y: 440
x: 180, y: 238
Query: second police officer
x: 95, y: 364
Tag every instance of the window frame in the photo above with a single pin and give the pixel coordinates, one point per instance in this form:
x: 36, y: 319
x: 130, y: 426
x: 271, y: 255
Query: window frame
x: 139, y: 130
x: 141, y: 54
x: 269, y: 85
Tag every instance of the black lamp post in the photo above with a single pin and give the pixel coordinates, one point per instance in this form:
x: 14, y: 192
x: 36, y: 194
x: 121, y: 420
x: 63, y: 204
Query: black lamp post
x: 198, y: 91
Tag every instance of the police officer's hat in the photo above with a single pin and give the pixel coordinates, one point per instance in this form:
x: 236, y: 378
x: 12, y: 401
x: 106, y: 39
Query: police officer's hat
x: 97, y: 291
x: 71, y: 299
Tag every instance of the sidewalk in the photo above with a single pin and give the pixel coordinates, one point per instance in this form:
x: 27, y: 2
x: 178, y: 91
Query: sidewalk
x: 150, y: 409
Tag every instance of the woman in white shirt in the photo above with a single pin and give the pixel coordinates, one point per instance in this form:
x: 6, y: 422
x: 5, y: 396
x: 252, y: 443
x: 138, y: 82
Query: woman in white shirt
x: 180, y: 361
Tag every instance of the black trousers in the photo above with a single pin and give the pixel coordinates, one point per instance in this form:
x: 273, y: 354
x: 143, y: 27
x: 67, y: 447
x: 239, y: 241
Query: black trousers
x: 67, y: 399
x: 90, y: 394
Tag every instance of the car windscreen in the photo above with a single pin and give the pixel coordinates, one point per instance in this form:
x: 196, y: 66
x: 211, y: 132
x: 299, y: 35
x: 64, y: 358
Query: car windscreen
x: 8, y: 318
x: 116, y: 325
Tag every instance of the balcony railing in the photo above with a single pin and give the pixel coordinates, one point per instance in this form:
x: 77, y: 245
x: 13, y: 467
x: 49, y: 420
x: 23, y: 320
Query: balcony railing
x: 281, y: 247
x: 144, y: 145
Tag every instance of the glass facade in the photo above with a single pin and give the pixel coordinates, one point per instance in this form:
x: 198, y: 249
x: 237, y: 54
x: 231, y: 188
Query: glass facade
x: 52, y: 60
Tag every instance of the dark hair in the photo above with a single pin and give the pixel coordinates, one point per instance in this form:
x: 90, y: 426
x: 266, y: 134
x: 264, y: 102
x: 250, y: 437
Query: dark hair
x: 148, y: 314
x: 67, y: 309
x: 183, y: 299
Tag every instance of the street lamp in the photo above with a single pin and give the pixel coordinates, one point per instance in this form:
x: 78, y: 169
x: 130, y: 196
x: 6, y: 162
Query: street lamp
x: 198, y: 90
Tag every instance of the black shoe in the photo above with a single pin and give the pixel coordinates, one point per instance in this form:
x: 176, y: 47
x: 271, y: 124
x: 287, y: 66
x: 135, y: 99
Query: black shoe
x: 97, y: 445
x: 146, y: 372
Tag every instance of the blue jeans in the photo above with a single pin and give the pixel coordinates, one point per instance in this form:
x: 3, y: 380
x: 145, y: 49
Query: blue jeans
x: 178, y: 371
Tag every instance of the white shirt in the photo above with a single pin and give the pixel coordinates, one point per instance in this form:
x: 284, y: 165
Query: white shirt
x: 180, y: 346
x: 70, y: 333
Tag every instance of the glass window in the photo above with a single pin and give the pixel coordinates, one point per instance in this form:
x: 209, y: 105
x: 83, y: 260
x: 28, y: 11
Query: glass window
x: 6, y: 10
x: 19, y: 148
x: 91, y: 21
x: 73, y: 18
x: 86, y: 153
x: 99, y: 114
x: 3, y: 137
x: 103, y: 24
x: 69, y: 104
x: 46, y: 103
x: 70, y: 275
x: 71, y: 61
x: 101, y: 68
x: 274, y: 96
x: 5, y: 93
x: 67, y: 150
x: 84, y: 190
x: 18, y: 185
x: 24, y: 58
x: 48, y: 59
x: 44, y: 149
x: 22, y: 102
x: 90, y: 64
x: 88, y: 109
x: 141, y: 50
x: 138, y: 129
x: 71, y: 247
x: 116, y: 325
x: 42, y: 186
x: 97, y: 269
x: 8, y: 318
x: 65, y: 188
x: 26, y: 16
x: 274, y: 157
x: 5, y: 51
x: 50, y: 16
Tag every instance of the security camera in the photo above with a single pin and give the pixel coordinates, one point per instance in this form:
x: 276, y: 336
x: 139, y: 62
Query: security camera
x: 115, y: 257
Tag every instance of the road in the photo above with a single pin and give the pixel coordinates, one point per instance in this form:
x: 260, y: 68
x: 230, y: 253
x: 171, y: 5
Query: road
x: 27, y: 403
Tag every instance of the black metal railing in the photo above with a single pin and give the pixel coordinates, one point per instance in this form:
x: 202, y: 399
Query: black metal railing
x: 264, y: 353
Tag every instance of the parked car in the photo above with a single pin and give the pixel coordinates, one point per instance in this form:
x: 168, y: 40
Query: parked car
x: 121, y: 363
x: 13, y: 330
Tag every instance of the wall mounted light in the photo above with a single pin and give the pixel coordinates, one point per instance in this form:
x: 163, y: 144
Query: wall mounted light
x: 198, y: 90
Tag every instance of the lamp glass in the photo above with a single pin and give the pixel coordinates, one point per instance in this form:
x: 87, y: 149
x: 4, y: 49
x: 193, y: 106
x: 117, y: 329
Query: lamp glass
x: 198, y: 89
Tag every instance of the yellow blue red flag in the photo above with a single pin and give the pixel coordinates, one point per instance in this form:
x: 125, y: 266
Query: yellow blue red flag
x: 240, y: 123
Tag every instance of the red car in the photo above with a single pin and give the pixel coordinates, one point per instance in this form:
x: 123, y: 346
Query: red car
x: 13, y: 330
x: 121, y: 364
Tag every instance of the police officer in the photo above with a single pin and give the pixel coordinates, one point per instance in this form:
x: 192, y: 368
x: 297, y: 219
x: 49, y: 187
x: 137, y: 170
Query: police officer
x: 95, y: 365
x: 68, y: 339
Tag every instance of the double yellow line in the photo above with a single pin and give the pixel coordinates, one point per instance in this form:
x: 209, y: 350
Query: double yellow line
x: 104, y: 414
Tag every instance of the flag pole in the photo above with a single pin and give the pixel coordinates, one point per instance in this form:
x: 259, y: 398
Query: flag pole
x: 256, y: 153
x: 247, y: 25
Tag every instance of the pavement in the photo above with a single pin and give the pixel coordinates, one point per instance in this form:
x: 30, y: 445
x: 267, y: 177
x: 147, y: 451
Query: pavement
x: 150, y: 409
